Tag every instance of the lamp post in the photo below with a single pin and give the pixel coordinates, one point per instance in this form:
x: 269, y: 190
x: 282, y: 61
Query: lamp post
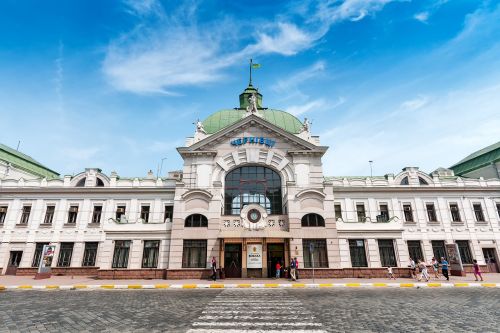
x: 160, y: 166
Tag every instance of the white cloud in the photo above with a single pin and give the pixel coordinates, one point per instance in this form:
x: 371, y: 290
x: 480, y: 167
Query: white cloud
x: 143, y: 7
x: 415, y: 104
x: 293, y: 81
x: 422, y: 17
x: 298, y: 110
x: 177, y: 50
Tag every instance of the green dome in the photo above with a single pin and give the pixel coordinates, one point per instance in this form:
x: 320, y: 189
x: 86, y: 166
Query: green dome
x: 224, y: 118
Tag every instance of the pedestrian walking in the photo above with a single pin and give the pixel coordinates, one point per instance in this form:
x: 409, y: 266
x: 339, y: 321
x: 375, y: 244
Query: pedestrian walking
x: 413, y: 268
x: 435, y: 267
x: 390, y: 273
x: 296, y: 268
x: 424, y: 274
x: 214, y: 269
x: 292, y: 270
x: 477, y: 272
x: 278, y: 270
x: 444, y: 268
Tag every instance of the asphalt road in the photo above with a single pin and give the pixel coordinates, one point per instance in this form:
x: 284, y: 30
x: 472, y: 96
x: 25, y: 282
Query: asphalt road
x: 252, y: 310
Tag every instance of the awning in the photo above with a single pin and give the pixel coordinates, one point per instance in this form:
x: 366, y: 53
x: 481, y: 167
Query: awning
x: 254, y: 234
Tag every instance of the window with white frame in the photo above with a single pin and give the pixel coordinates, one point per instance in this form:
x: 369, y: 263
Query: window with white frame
x: 120, y: 211
x: 3, y: 214
x: 25, y: 215
x: 145, y: 213
x: 408, y: 212
x: 72, y: 214
x: 96, y: 214
x: 49, y: 214
x: 431, y: 212
x: 455, y: 212
x: 338, y: 211
x: 360, y: 212
x: 478, y: 212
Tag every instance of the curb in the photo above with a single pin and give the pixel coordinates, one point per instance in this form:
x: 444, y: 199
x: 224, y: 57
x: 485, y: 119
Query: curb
x: 250, y: 286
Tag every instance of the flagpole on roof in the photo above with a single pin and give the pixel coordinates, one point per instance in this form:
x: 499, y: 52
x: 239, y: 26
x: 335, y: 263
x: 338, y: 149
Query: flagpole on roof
x: 250, y: 83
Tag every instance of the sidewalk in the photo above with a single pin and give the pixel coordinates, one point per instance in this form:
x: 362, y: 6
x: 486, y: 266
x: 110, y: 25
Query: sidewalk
x: 83, y: 282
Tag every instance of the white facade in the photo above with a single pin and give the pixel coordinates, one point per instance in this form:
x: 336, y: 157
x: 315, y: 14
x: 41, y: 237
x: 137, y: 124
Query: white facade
x: 178, y: 223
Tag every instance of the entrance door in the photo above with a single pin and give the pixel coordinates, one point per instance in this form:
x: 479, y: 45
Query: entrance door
x: 275, y: 254
x: 491, y: 260
x: 14, y: 261
x: 232, y: 260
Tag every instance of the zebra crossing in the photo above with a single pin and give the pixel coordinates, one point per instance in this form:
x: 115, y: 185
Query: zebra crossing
x: 256, y: 310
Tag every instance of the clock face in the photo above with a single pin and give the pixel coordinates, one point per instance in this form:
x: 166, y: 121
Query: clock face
x: 253, y: 215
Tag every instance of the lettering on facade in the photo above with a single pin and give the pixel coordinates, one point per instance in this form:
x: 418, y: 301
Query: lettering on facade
x: 253, y: 140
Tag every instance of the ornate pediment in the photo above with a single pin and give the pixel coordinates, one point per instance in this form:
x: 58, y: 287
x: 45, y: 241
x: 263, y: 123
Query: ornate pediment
x: 252, y: 131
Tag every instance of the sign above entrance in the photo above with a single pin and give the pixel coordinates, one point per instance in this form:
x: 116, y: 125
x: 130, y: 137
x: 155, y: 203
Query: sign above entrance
x: 254, y: 256
x: 255, y: 140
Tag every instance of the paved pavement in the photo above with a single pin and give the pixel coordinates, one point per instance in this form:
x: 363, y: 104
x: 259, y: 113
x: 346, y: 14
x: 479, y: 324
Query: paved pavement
x: 68, y: 282
x: 252, y: 310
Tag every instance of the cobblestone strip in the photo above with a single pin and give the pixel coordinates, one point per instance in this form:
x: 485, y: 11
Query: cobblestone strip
x: 253, y: 286
x: 256, y: 310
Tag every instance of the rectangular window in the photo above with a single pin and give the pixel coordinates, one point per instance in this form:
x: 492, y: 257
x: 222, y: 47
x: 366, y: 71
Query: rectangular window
x: 120, y: 211
x: 478, y: 212
x: 338, y: 211
x: 455, y: 213
x: 439, y: 250
x: 90, y: 254
x: 38, y: 254
x: 358, y: 253
x: 415, y: 250
x: 96, y: 214
x: 387, y: 254
x: 3, y: 214
x: 169, y: 213
x: 25, y: 216
x: 384, y: 213
x: 49, y: 214
x: 72, y: 215
x: 145, y: 213
x: 150, y: 254
x: 464, y: 249
x: 318, y: 254
x: 120, y: 256
x: 360, y: 211
x: 65, y: 254
x: 408, y: 212
x: 431, y: 212
x: 194, y: 253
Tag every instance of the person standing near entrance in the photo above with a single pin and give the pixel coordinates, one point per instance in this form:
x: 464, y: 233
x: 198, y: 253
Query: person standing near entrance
x: 214, y: 269
x: 292, y: 269
x: 444, y: 268
x: 435, y: 267
x: 278, y: 270
x: 477, y: 272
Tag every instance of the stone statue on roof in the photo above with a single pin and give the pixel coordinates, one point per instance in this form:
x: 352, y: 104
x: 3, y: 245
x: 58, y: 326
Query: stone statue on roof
x: 306, y: 126
x: 252, y: 108
x: 199, y: 127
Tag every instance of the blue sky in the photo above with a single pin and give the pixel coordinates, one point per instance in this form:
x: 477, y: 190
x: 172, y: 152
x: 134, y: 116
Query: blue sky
x: 118, y: 84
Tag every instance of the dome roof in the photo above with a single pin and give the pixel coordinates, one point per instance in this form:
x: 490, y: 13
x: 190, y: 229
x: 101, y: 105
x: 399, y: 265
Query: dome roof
x: 224, y: 118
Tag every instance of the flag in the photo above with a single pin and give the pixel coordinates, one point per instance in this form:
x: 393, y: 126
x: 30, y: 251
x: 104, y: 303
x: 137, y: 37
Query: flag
x: 255, y: 66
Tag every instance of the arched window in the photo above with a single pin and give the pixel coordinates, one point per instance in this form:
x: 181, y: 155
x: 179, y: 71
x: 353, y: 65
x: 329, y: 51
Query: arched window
x: 313, y: 220
x: 99, y: 182
x: 252, y: 185
x: 404, y: 181
x: 196, y: 220
x: 81, y: 182
x: 422, y: 181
